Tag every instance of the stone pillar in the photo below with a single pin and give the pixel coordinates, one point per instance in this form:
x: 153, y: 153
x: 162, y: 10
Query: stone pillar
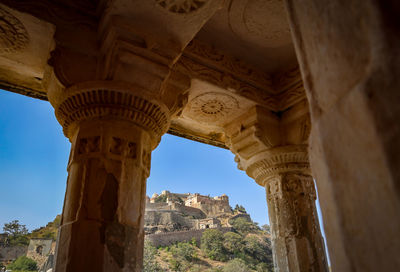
x: 349, y: 55
x: 113, y: 129
x: 273, y: 151
x: 296, y: 237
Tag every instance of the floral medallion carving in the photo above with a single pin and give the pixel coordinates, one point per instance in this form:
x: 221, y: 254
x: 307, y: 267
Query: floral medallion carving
x: 13, y: 35
x: 212, y: 107
x: 181, y: 6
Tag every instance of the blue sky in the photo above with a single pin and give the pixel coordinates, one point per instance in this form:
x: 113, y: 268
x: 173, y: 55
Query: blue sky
x: 34, y: 155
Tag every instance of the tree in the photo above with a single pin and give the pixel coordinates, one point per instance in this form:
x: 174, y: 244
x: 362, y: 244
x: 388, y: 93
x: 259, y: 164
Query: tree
x: 243, y: 225
x: 184, y: 250
x: 23, y: 263
x: 17, y: 233
x: 233, y: 243
x: 212, y: 245
x: 257, y: 250
x: 14, y: 228
x: 239, y: 209
x: 161, y: 199
x: 266, y: 228
x: 236, y: 265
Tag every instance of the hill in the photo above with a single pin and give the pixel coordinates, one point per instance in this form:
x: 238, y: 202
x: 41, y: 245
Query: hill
x: 246, y: 248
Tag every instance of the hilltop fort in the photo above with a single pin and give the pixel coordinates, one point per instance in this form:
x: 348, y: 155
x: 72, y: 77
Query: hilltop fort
x: 169, y: 212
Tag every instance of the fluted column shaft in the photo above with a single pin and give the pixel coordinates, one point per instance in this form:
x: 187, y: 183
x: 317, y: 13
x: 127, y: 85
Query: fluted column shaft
x: 113, y: 130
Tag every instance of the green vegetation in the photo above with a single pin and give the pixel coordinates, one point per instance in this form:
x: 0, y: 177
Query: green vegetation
x: 49, y: 231
x: 239, y: 209
x: 243, y: 226
x: 149, y: 259
x: 246, y: 248
x: 236, y: 265
x: 161, y: 199
x: 183, y: 255
x: 23, y: 264
x: 17, y: 233
x: 212, y: 244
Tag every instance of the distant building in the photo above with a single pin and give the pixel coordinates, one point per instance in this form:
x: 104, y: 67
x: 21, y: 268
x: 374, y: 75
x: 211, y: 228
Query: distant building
x: 40, y: 250
x: 209, y: 223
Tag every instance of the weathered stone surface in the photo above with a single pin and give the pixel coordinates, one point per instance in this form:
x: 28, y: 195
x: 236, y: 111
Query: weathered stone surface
x: 349, y: 58
x: 102, y: 223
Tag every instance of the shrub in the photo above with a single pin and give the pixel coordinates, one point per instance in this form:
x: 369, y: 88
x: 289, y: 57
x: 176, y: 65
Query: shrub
x: 233, y: 243
x: 23, y: 263
x: 185, y: 251
x: 183, y: 254
x: 149, y: 258
x: 239, y: 209
x: 257, y: 250
x: 161, y: 198
x: 236, y: 265
x: 263, y: 267
x: 212, y: 245
x: 244, y: 226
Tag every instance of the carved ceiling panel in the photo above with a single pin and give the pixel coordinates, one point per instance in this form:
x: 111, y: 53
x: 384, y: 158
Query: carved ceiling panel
x: 212, y: 108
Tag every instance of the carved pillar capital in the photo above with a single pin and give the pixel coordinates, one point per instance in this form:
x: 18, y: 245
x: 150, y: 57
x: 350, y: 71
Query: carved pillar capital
x: 110, y: 100
x: 278, y: 162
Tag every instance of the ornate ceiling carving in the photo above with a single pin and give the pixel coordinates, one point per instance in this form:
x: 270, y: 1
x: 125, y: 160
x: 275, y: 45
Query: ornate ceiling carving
x: 13, y: 34
x: 212, y: 107
x: 181, y: 6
